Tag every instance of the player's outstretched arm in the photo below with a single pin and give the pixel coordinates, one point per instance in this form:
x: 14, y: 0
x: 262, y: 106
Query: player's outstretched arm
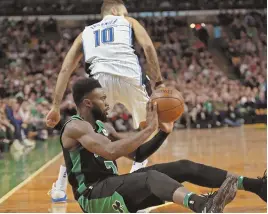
x: 84, y: 133
x: 148, y: 148
x: 151, y: 56
x: 69, y: 64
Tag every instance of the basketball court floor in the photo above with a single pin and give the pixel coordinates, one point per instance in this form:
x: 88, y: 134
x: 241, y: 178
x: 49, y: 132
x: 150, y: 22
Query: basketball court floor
x: 240, y: 150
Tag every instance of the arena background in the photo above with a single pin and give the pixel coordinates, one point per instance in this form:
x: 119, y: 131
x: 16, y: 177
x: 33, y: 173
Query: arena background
x: 214, y: 52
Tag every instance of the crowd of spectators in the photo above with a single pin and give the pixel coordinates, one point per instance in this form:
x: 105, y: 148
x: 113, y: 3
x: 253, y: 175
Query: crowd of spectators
x: 48, y: 7
x: 245, y: 44
x: 29, y: 67
x: 32, y: 52
x: 211, y: 98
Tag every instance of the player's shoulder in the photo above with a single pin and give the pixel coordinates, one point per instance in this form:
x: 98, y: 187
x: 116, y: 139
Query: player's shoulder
x: 131, y: 20
x: 77, y: 128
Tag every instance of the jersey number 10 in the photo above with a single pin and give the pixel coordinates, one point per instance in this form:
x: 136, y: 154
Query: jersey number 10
x: 104, y: 36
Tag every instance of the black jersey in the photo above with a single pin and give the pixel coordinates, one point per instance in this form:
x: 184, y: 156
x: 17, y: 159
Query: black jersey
x: 85, y: 168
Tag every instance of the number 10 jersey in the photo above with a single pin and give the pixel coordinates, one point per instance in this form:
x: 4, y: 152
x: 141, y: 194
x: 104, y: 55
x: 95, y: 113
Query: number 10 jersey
x: 108, y: 48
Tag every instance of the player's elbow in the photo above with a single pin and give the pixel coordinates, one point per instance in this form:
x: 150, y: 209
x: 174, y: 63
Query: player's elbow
x: 149, y: 50
x: 112, y: 156
x: 147, y: 46
x: 111, y: 153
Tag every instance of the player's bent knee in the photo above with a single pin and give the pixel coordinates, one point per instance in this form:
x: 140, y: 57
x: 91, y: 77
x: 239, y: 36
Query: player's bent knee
x: 161, y: 185
x: 152, y: 174
x: 191, y: 169
x: 186, y: 165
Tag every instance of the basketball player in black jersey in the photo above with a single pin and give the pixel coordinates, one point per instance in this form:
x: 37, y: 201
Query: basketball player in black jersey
x: 90, y: 148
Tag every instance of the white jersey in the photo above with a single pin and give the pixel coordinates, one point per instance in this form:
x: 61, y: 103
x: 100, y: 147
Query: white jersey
x: 108, y: 48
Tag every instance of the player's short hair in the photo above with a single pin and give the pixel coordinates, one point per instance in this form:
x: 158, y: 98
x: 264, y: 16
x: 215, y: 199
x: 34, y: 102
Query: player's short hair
x: 82, y: 88
x: 108, y: 4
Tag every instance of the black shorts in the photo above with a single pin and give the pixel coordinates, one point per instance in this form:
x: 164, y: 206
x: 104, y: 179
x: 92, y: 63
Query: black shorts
x: 129, y: 193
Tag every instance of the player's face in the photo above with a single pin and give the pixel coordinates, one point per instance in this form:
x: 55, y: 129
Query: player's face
x: 100, y: 107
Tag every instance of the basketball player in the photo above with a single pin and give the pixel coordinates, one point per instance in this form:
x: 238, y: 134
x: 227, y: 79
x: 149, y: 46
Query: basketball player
x: 90, y: 154
x: 109, y: 55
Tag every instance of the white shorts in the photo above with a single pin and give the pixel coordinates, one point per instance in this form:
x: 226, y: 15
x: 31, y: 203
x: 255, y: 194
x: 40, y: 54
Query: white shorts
x: 127, y: 92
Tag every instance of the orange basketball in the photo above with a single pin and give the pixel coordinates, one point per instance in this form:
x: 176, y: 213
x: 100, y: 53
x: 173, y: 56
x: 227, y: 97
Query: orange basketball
x: 170, y: 104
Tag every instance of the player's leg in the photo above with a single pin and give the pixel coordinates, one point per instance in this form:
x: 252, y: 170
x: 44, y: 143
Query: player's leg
x: 59, y: 188
x: 131, y: 192
x: 134, y: 98
x: 110, y: 86
x: 207, y: 176
x: 121, y: 90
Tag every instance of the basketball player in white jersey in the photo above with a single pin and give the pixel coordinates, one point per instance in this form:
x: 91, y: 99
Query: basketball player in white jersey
x: 109, y: 55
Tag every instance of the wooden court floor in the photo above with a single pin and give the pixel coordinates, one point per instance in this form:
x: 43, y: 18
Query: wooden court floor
x: 240, y: 150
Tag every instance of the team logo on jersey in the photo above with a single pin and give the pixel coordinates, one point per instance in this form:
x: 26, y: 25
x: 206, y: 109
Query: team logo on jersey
x: 118, y: 207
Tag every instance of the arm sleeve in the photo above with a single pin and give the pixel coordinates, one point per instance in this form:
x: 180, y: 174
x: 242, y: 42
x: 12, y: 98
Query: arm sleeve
x: 150, y: 147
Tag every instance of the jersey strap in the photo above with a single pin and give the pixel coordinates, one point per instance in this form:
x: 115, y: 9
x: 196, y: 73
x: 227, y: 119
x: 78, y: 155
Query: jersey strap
x: 74, y: 117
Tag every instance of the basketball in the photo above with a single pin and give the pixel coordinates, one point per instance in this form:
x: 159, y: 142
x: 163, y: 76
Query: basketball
x: 170, y: 104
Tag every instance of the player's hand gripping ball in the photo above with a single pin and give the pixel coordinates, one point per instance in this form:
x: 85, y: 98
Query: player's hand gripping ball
x: 170, y: 104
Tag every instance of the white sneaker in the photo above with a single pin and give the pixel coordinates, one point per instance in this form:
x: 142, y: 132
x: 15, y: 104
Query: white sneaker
x: 57, y: 194
x: 29, y: 143
x: 17, y: 150
x: 17, y: 145
x: 136, y: 165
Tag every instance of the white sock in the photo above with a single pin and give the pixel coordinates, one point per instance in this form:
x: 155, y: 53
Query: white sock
x: 62, y: 178
x: 136, y: 165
